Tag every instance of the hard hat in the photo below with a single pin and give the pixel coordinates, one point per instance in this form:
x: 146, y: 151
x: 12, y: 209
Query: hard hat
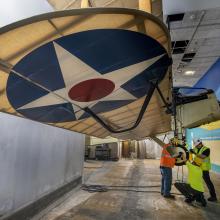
x: 196, y: 141
x: 174, y: 140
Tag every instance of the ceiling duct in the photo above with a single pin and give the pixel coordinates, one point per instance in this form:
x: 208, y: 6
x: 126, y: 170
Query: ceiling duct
x: 175, y: 17
x: 179, y: 47
x: 188, y: 57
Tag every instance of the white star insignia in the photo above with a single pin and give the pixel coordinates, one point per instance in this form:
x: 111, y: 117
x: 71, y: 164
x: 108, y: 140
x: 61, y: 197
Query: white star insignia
x: 75, y: 71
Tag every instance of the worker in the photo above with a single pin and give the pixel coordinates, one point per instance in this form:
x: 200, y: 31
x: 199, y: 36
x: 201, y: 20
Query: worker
x: 167, y: 162
x: 202, y: 155
x: 184, y: 143
x: 194, y: 189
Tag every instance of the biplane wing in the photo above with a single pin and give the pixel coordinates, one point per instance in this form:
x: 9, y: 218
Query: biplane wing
x: 97, y: 71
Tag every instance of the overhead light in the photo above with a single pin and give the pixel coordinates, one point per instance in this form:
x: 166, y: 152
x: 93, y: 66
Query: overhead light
x: 192, y: 17
x: 189, y: 72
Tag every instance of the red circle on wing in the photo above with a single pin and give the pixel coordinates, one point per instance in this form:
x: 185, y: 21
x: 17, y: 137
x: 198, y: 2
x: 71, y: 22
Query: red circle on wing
x: 91, y: 90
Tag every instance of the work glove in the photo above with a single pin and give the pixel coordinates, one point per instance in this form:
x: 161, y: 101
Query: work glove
x: 192, y: 151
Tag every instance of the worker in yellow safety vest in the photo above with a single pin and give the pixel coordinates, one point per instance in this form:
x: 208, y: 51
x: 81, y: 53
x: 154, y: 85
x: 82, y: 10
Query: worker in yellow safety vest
x: 202, y: 157
x: 194, y: 188
x: 195, y: 183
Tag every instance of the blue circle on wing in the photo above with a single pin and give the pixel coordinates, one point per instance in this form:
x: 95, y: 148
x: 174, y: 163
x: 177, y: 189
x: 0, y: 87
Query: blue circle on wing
x: 105, y: 50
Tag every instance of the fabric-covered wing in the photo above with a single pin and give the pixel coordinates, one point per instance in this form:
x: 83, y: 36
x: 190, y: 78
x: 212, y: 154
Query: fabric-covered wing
x: 56, y: 65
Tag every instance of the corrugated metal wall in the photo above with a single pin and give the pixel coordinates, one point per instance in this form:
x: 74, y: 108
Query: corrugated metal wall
x: 35, y: 159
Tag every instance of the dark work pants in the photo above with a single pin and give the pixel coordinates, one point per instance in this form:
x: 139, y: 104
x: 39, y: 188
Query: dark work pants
x: 209, y: 183
x: 190, y: 193
x: 166, y: 181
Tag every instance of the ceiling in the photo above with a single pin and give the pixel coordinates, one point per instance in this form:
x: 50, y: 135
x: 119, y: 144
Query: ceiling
x: 70, y: 4
x: 201, y: 29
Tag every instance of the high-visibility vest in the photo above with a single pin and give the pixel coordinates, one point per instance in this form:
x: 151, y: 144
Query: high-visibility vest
x: 190, y: 157
x: 205, y: 163
x: 166, y: 160
x: 195, y: 179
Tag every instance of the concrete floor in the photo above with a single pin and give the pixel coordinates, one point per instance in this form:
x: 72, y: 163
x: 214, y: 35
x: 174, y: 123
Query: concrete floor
x: 124, y: 203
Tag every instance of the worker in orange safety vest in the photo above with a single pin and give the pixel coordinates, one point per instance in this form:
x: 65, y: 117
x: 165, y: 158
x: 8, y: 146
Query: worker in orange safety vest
x: 167, y: 162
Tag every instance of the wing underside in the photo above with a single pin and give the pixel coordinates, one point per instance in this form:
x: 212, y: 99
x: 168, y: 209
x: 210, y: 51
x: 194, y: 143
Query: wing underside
x: 55, y: 66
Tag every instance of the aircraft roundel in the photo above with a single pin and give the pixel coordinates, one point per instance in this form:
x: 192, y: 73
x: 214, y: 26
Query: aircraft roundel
x: 102, y: 69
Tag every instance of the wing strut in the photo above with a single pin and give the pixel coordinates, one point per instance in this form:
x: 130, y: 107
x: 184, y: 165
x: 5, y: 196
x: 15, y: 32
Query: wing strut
x: 139, y: 118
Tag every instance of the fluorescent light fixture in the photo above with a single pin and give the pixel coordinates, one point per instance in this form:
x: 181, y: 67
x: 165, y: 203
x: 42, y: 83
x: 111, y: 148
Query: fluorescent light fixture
x: 189, y: 73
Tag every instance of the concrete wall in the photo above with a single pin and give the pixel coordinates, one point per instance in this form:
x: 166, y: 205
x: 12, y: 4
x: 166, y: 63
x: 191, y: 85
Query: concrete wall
x: 35, y: 159
x: 97, y: 141
x: 151, y: 149
x: 142, y: 148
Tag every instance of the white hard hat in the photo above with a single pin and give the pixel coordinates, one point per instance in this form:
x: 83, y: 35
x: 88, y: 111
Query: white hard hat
x: 196, y: 141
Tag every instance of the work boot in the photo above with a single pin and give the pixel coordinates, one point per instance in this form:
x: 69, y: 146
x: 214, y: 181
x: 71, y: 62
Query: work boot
x: 201, y: 199
x: 188, y: 200
x: 169, y: 196
x: 212, y: 199
x: 203, y: 202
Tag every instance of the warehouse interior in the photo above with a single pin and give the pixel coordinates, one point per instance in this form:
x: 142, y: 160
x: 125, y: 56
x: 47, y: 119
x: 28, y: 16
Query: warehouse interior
x: 87, y: 157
